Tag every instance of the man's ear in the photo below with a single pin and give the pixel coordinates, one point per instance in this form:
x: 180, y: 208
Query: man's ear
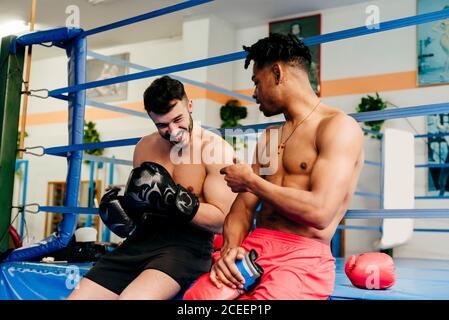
x: 190, y: 106
x: 278, y: 73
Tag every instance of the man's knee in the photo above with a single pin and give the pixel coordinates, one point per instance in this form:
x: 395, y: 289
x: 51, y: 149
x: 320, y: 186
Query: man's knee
x: 151, y: 284
x: 90, y: 290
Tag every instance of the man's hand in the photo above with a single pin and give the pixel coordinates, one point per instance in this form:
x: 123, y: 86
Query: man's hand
x: 238, y: 176
x: 225, y: 271
x: 114, y: 214
x: 150, y: 188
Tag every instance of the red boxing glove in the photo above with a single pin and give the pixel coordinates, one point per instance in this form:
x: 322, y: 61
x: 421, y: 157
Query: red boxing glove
x: 372, y: 270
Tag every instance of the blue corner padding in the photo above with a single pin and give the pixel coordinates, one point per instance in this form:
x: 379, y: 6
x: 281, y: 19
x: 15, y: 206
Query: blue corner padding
x: 39, y: 281
x: 416, y: 280
x: 77, y: 53
x: 54, y: 36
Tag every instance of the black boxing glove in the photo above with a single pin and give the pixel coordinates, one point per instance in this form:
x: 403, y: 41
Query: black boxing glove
x: 114, y: 215
x: 150, y: 188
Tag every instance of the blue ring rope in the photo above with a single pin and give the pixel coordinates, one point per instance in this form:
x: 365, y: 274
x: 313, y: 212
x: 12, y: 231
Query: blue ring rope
x: 383, y: 26
x: 68, y: 210
x: 351, y: 214
x: 109, y: 107
x: 433, y: 165
x: 432, y: 135
x: 152, y: 73
x: 373, y: 163
x: 397, y: 213
x: 61, y: 151
x: 368, y: 195
x: 379, y: 229
x: 369, y: 228
x: 124, y: 63
x: 405, y: 112
x: 432, y: 197
x: 107, y: 160
x: 339, y: 35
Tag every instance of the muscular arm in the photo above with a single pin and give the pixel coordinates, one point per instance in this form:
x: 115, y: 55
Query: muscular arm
x: 218, y: 199
x: 340, y: 145
x: 240, y: 218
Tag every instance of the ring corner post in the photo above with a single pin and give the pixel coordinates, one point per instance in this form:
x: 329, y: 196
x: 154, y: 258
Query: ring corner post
x: 77, y: 53
x: 11, y: 70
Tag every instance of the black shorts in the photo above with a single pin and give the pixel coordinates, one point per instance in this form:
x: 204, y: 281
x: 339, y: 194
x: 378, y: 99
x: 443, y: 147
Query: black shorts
x: 182, y: 252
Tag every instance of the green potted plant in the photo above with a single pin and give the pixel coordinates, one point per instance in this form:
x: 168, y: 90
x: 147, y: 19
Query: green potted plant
x: 231, y: 113
x: 92, y: 135
x: 372, y: 103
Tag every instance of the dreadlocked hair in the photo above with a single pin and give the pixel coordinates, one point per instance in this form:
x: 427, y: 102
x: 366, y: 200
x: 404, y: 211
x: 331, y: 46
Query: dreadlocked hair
x: 279, y: 48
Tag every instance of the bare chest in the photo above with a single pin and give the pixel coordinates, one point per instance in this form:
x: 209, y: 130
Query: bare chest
x: 292, y: 164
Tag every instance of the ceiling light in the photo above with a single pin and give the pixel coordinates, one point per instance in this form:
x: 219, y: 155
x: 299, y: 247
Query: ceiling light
x: 13, y: 27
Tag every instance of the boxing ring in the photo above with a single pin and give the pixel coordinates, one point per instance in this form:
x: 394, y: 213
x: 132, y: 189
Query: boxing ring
x: 22, y: 279
x: 417, y: 279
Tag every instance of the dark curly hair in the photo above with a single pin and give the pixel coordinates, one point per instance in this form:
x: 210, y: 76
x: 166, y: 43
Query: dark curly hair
x: 279, y: 48
x: 161, y: 92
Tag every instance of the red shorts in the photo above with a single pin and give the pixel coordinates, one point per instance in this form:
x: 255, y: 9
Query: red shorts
x: 295, y: 267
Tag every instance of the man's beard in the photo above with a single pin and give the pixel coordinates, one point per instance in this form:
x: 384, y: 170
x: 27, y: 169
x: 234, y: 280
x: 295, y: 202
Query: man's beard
x: 182, y: 131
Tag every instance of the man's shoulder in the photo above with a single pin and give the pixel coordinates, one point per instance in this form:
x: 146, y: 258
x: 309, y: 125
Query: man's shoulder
x: 145, y: 143
x: 337, y: 119
x: 338, y: 124
x: 148, y: 139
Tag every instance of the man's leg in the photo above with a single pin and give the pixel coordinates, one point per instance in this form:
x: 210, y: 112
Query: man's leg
x: 89, y: 290
x: 151, y: 284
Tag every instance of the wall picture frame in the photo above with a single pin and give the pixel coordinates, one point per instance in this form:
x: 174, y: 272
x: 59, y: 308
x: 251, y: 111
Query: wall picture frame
x: 438, y: 154
x: 433, y: 45
x: 100, y: 70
